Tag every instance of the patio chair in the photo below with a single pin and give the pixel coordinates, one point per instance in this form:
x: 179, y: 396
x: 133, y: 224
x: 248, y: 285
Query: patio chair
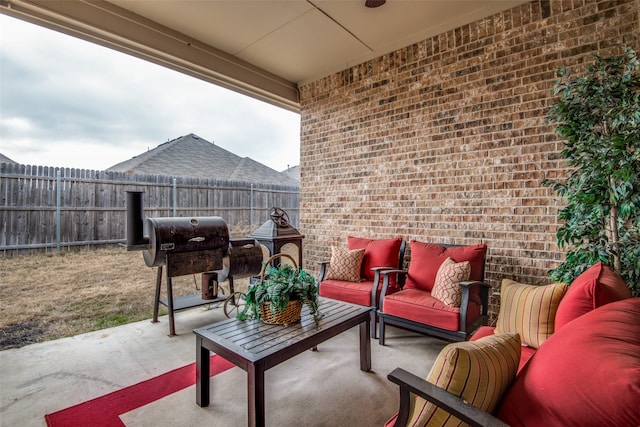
x: 442, y: 294
x: 353, y: 273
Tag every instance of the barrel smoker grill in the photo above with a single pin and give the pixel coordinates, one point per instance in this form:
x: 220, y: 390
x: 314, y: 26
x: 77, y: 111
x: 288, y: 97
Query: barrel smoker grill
x: 182, y: 246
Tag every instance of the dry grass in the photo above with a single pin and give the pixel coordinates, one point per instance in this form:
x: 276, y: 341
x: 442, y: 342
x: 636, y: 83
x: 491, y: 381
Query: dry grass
x: 51, y: 296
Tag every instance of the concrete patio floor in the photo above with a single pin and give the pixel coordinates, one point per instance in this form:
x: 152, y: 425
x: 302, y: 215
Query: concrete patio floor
x: 43, y: 378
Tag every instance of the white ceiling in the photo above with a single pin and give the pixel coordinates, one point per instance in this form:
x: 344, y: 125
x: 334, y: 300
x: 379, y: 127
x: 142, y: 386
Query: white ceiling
x: 264, y: 48
x: 303, y: 40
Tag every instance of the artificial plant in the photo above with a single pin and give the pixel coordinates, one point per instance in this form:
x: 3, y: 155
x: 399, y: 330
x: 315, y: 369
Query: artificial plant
x: 280, y: 285
x: 597, y: 115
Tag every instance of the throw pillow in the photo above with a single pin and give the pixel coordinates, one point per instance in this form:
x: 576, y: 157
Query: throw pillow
x: 426, y: 259
x: 479, y: 372
x: 597, y: 286
x: 345, y: 264
x: 446, y: 288
x: 377, y: 253
x: 529, y: 310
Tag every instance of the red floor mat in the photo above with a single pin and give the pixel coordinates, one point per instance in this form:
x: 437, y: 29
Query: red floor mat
x: 104, y: 411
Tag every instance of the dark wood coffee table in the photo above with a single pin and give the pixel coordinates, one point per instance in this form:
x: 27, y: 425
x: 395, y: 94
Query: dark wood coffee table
x: 255, y: 346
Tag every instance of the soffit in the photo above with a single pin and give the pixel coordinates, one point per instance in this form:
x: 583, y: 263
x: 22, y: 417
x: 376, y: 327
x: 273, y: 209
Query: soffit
x: 304, y: 40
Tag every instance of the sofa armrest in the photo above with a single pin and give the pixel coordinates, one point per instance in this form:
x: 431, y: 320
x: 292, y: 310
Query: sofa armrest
x: 323, y: 271
x: 376, y: 283
x: 400, y: 276
x: 484, y: 302
x: 412, y: 384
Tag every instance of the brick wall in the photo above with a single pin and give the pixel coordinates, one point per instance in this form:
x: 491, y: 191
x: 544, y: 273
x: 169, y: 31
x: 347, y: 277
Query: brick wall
x: 446, y: 141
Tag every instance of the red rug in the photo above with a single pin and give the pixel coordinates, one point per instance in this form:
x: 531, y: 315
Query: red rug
x: 105, y: 411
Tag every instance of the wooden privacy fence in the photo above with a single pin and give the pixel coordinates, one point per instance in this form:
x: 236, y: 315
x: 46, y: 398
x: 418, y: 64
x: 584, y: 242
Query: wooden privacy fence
x: 45, y: 208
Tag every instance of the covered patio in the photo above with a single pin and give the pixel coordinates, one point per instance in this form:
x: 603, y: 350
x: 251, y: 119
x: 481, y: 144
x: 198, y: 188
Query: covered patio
x: 423, y: 120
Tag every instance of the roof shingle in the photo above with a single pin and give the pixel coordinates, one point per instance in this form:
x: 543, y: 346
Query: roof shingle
x: 195, y: 157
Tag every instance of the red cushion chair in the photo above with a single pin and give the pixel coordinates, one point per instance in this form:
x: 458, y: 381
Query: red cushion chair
x: 415, y: 308
x: 586, y: 374
x: 379, y: 254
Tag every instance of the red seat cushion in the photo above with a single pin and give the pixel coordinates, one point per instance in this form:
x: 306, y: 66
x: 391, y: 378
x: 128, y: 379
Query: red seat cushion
x: 353, y: 292
x: 597, y: 286
x: 585, y: 374
x: 421, y: 307
x: 426, y: 259
x: 526, y: 352
x: 377, y: 253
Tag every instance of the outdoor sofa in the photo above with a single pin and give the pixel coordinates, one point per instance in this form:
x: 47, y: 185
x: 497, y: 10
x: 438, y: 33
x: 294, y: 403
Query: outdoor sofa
x: 558, y: 357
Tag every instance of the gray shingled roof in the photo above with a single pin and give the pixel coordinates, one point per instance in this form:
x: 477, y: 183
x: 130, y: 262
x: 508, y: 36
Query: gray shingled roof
x: 192, y: 156
x: 293, y: 172
x: 5, y: 159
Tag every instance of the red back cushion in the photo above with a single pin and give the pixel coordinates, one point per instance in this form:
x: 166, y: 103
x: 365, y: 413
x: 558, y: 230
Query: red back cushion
x: 585, y: 374
x: 377, y: 253
x: 597, y: 286
x: 426, y: 259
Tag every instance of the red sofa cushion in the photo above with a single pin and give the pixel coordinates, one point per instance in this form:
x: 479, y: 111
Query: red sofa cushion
x: 420, y: 306
x: 426, y: 259
x: 526, y: 352
x: 353, y: 292
x: 586, y: 374
x: 377, y: 253
x: 597, y: 286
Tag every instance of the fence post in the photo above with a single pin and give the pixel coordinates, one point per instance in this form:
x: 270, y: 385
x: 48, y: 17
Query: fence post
x: 58, y: 198
x: 175, y: 197
x: 251, y: 207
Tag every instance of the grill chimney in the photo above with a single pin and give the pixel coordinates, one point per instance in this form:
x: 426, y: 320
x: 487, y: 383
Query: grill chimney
x: 135, y: 222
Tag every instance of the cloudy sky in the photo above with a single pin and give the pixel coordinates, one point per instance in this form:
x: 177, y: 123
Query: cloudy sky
x: 67, y: 102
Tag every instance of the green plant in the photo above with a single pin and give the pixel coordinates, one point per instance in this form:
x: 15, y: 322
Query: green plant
x: 281, y: 284
x: 598, y: 117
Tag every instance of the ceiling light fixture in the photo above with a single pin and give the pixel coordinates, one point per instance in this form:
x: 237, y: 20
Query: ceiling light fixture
x: 374, y: 3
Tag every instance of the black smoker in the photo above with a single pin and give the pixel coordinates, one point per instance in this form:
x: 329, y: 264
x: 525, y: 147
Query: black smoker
x: 189, y: 246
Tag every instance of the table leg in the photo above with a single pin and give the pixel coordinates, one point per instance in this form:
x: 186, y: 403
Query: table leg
x: 202, y: 373
x: 255, y: 383
x: 365, y: 345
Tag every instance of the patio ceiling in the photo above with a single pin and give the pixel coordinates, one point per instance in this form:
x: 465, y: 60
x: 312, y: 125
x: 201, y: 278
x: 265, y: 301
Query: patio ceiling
x: 261, y: 48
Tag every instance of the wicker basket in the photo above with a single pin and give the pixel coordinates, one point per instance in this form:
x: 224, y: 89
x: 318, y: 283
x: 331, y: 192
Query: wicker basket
x: 291, y: 313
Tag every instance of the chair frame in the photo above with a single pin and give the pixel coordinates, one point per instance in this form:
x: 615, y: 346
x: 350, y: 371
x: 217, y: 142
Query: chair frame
x: 460, y: 335
x: 324, y: 269
x: 411, y: 384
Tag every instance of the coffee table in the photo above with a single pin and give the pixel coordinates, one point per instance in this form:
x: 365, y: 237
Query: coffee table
x: 255, y: 347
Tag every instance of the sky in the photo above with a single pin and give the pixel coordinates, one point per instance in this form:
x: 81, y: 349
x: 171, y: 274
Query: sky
x: 71, y: 103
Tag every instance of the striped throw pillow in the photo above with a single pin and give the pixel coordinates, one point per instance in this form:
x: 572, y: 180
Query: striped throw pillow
x: 529, y: 310
x: 479, y: 372
x: 345, y: 264
x: 446, y: 289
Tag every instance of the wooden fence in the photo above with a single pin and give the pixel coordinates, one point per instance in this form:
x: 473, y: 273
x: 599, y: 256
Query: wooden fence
x: 47, y: 208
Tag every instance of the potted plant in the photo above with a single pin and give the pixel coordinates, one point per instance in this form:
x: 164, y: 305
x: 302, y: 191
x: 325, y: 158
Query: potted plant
x: 598, y: 117
x: 279, y: 296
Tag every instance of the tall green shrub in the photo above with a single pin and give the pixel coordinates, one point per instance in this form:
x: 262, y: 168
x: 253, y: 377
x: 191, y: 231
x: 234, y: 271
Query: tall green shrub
x: 597, y: 115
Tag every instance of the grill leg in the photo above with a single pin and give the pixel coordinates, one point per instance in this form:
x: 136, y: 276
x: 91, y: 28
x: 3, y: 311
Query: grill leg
x: 230, y: 279
x: 172, y: 326
x: 156, y: 302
